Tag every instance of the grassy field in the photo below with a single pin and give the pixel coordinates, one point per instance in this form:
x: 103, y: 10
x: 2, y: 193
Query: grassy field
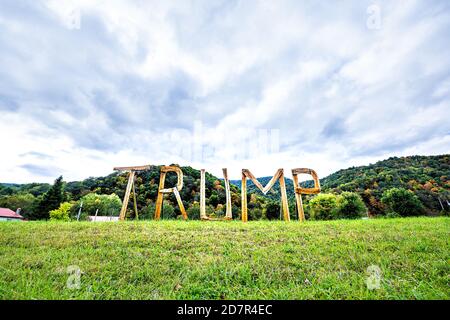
x: 226, y: 260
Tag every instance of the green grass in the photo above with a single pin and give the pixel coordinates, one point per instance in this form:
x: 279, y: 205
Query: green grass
x: 226, y: 260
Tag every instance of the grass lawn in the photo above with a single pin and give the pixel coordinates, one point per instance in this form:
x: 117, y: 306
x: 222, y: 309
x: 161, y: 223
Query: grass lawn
x: 226, y: 260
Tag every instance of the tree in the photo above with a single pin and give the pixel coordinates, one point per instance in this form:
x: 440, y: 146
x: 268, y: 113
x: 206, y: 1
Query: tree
x: 323, y: 207
x: 62, y: 213
x: 25, y: 201
x: 273, y: 210
x: 51, y: 199
x: 402, y: 202
x: 350, y: 205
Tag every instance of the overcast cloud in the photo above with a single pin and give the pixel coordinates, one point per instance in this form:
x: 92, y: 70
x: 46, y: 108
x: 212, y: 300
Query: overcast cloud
x: 89, y: 85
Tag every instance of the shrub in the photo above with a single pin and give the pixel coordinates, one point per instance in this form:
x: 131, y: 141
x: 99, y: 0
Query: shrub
x: 351, y: 206
x: 272, y: 210
x: 323, y: 207
x: 403, y: 202
x: 62, y: 213
x: 147, y: 212
x: 444, y: 213
x: 255, y: 214
x: 193, y: 211
x: 392, y: 215
x: 107, y: 205
x: 168, y: 211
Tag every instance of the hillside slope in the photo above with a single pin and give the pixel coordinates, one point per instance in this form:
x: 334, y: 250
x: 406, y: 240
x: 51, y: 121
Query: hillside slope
x: 426, y: 176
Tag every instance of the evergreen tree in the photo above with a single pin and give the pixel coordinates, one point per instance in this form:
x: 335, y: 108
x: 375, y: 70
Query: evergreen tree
x: 51, y: 200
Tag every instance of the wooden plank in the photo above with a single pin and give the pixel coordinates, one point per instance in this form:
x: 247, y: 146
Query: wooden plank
x: 228, y: 213
x: 202, y: 195
x: 180, y: 203
x: 134, y: 200
x: 159, y: 199
x: 133, y: 168
x: 126, y: 198
x: 298, y: 199
x: 284, y: 199
x: 244, y: 197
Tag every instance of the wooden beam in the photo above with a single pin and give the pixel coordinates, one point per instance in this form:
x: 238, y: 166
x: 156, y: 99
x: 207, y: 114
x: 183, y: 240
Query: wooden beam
x: 159, y: 199
x: 134, y: 200
x: 202, y: 195
x: 133, y: 168
x: 126, y: 198
x: 284, y: 200
x: 180, y: 203
x: 228, y: 213
x: 244, y: 213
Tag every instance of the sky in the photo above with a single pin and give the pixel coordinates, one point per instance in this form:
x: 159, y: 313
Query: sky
x: 89, y: 85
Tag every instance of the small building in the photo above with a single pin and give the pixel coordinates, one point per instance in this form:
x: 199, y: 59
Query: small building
x: 102, y: 218
x: 9, y: 215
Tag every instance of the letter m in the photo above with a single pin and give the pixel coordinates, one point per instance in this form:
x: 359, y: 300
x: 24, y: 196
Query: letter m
x: 279, y: 175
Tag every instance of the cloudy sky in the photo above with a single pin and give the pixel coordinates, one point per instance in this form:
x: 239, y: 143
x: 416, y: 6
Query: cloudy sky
x: 89, y: 85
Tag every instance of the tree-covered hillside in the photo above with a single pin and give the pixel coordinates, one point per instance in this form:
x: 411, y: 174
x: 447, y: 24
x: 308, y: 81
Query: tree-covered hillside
x: 426, y: 176
x: 28, y: 196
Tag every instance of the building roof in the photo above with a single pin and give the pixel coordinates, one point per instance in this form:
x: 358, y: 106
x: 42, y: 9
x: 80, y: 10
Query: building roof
x: 8, y: 213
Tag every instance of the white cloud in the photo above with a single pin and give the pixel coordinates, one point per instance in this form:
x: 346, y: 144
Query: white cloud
x: 129, y: 85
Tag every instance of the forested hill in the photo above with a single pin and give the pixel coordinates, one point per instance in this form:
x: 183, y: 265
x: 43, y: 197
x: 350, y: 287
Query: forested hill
x: 426, y: 176
x: 28, y: 196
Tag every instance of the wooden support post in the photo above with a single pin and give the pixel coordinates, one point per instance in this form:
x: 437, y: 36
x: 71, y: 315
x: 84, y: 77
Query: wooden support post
x: 284, y: 200
x: 244, y: 197
x: 180, y: 203
x: 228, y: 213
x: 126, y: 198
x: 159, y: 199
x: 134, y: 200
x: 202, y: 196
